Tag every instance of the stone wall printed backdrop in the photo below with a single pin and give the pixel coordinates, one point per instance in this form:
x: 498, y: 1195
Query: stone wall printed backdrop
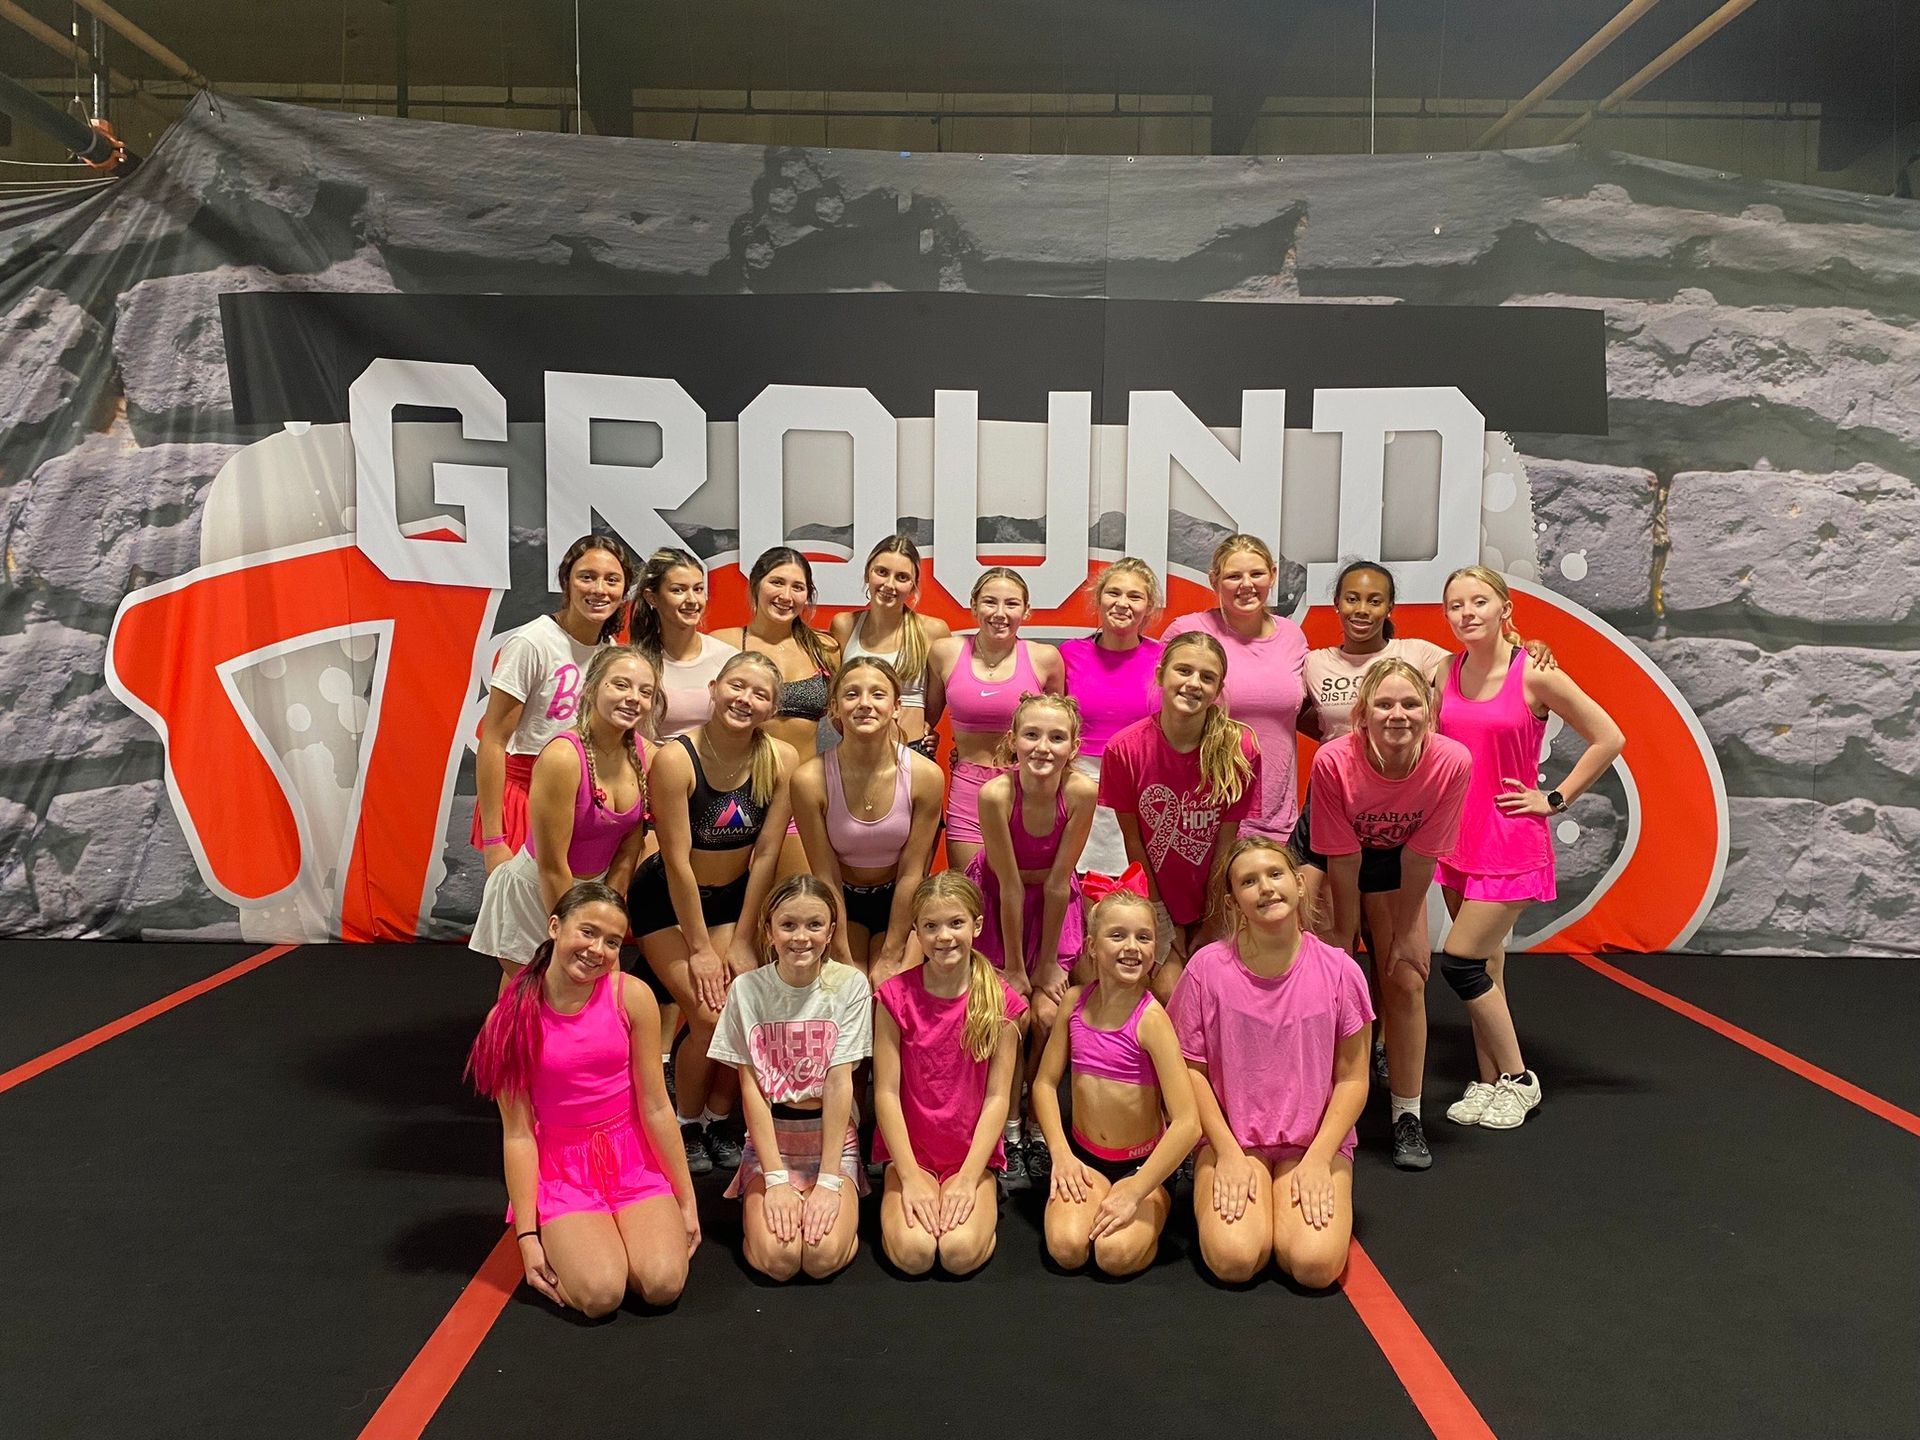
x: 1750, y: 520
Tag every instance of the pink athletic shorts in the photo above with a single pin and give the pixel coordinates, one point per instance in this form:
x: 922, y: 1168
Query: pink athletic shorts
x: 963, y: 801
x: 1524, y: 888
x: 600, y: 1168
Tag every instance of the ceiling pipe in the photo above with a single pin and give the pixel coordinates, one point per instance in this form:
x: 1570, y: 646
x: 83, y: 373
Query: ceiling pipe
x: 141, y: 40
x: 1660, y: 64
x: 51, y: 38
x: 93, y: 144
x: 1566, y: 70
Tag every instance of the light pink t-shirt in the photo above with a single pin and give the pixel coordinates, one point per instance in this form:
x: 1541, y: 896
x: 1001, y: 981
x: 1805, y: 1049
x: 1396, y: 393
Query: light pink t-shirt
x: 942, y: 1087
x: 1145, y: 776
x: 1334, y: 676
x: 543, y: 667
x: 1113, y: 688
x: 1268, y: 1045
x: 1264, y: 690
x: 685, y: 700
x: 1357, y: 808
x: 792, y: 1037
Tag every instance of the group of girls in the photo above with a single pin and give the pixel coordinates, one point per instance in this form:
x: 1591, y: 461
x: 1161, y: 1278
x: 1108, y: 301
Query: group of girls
x: 1133, y: 896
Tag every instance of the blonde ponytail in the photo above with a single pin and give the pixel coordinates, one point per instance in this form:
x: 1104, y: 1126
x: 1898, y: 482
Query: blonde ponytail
x: 1224, y: 765
x: 986, y: 1008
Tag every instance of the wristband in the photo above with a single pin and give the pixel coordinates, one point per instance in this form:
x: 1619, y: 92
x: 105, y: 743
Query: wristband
x: 528, y: 1235
x: 486, y: 840
x: 831, y: 1183
x: 775, y: 1177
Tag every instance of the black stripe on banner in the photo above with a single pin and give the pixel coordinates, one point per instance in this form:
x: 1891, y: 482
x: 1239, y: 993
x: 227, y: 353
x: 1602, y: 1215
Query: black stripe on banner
x: 291, y: 356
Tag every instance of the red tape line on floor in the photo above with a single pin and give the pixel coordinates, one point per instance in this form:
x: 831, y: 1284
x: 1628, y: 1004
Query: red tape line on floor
x: 1431, y: 1386
x: 1785, y: 1059
x: 414, y: 1399
x: 60, y: 1054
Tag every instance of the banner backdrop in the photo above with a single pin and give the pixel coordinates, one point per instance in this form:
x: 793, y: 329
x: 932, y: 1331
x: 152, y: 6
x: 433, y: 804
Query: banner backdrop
x: 296, y: 421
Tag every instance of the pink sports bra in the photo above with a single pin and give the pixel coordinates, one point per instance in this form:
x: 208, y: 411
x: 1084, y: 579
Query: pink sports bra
x: 870, y: 844
x: 597, y: 830
x: 1035, y: 852
x: 983, y: 707
x: 585, y: 1070
x: 1110, y: 1054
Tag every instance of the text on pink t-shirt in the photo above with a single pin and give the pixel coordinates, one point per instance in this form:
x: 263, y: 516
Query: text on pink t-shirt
x: 1334, y: 676
x: 1356, y: 808
x: 942, y: 1087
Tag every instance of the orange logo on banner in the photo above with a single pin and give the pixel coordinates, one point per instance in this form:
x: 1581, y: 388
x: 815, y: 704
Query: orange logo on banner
x: 171, y: 647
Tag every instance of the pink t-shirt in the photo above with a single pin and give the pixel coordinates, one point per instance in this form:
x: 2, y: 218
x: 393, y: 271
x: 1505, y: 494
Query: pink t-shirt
x: 1113, y: 688
x: 942, y: 1087
x: 1264, y: 690
x: 1268, y: 1044
x: 1334, y: 675
x: 1145, y: 776
x: 1357, y: 808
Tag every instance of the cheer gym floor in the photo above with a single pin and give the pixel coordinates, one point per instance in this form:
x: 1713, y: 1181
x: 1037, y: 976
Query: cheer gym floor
x: 245, y: 1196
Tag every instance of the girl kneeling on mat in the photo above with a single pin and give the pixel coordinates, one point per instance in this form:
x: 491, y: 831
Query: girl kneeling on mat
x: 601, y: 1204
x: 1274, y: 1024
x: 586, y: 810
x: 945, y: 1047
x: 795, y: 1029
x: 1035, y: 819
x: 1134, y: 1119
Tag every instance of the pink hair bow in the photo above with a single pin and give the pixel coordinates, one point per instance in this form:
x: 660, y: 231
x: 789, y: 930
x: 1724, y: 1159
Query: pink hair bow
x: 1095, y: 887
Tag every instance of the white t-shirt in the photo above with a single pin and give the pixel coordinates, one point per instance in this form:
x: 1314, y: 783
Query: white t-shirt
x: 686, y: 702
x: 793, y: 1037
x: 1334, y: 676
x: 544, y: 668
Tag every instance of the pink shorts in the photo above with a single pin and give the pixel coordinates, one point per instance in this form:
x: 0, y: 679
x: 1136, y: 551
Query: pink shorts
x: 1524, y: 888
x: 600, y: 1168
x: 963, y: 801
x: 513, y: 804
x: 1272, y: 1155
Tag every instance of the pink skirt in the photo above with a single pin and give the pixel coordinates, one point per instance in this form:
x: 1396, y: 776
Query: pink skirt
x: 963, y: 801
x: 1033, y: 904
x: 600, y: 1168
x: 513, y: 804
x: 1522, y: 889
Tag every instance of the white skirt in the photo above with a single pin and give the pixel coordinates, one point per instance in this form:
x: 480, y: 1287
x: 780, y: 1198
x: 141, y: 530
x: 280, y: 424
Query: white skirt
x: 1105, y: 852
x: 513, y: 918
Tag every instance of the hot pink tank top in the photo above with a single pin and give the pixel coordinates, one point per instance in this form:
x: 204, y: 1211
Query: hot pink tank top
x: 1035, y: 852
x: 1504, y: 737
x: 585, y: 1074
x: 1110, y: 1054
x: 986, y: 707
x: 870, y: 844
x: 597, y: 830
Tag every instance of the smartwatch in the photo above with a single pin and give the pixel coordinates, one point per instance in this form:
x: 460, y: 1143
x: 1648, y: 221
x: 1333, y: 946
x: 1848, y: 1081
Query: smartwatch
x: 1557, y: 802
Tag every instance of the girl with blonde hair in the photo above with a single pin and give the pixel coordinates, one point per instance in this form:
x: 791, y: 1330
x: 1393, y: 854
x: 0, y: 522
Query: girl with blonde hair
x: 889, y: 628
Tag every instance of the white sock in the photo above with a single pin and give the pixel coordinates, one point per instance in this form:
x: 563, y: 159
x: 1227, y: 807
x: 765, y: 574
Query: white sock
x: 1013, y: 1131
x: 707, y: 1117
x: 1034, y: 1132
x: 1405, y: 1105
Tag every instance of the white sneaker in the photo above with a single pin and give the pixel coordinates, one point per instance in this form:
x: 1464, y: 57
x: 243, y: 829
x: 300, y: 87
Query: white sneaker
x: 1511, y: 1103
x: 1468, y: 1109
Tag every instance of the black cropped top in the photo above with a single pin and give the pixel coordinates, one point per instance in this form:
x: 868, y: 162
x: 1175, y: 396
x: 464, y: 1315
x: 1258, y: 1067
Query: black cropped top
x: 721, y: 819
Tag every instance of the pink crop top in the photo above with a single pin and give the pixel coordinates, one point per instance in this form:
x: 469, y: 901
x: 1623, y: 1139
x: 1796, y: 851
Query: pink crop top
x: 597, y: 831
x: 982, y: 707
x: 585, y: 1073
x: 1110, y: 1054
x: 1035, y: 852
x: 870, y: 844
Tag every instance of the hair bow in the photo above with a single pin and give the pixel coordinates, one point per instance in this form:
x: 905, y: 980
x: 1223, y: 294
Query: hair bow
x: 1095, y: 887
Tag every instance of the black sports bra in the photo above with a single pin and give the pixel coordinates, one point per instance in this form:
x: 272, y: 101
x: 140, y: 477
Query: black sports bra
x: 721, y: 819
x: 803, y: 699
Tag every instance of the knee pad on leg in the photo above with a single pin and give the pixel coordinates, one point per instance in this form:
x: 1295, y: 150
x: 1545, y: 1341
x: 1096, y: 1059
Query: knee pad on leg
x: 1468, y: 978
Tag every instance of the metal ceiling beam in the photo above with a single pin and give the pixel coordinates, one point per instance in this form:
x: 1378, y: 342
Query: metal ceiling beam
x: 141, y: 40
x: 1566, y: 70
x: 51, y: 38
x: 1659, y: 65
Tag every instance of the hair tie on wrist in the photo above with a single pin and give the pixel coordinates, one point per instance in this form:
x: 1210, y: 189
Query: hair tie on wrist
x: 493, y: 840
x: 528, y: 1235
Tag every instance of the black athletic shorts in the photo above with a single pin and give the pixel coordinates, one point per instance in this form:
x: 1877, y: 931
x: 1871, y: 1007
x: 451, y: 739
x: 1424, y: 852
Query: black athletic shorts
x: 650, y: 909
x: 1379, y: 869
x: 1114, y: 1170
x: 869, y: 906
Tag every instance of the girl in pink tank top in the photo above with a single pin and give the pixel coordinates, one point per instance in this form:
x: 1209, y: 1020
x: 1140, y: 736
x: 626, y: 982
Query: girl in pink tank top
x: 868, y: 810
x: 1035, y: 819
x: 1496, y: 703
x: 595, y: 1174
x: 1111, y: 1189
x: 980, y: 679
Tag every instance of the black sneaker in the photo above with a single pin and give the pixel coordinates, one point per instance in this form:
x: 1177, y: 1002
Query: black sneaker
x: 1015, y: 1176
x: 1039, y: 1159
x: 723, y: 1141
x: 1410, y: 1144
x: 694, y: 1137
x: 1380, y: 1063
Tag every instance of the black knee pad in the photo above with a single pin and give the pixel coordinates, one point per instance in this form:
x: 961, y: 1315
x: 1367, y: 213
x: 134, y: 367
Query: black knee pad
x: 1468, y: 978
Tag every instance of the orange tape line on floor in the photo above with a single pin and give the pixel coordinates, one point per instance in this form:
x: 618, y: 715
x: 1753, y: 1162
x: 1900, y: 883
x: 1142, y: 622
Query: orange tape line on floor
x: 1449, y: 1414
x: 1785, y: 1059
x: 411, y: 1404
x: 60, y: 1054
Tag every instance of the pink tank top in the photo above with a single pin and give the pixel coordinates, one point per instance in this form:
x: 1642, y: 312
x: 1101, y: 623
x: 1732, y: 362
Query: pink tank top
x: 870, y: 844
x: 1110, y: 1054
x: 585, y: 1074
x: 1035, y: 852
x: 597, y: 830
x: 983, y: 707
x: 1504, y: 737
